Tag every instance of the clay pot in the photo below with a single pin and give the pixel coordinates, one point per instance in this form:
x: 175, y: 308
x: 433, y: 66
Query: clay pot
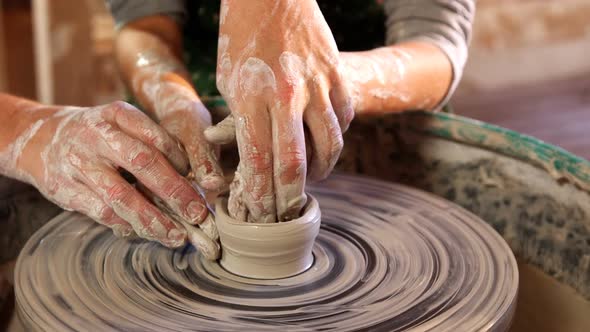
x: 268, y: 251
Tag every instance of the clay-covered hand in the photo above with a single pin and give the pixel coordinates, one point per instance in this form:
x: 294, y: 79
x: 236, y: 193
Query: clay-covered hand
x: 148, y: 52
x: 73, y: 156
x: 279, y: 71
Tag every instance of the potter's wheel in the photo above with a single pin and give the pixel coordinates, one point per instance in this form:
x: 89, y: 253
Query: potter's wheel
x: 388, y: 258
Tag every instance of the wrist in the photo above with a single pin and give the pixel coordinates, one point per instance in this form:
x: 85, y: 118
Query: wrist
x: 166, y: 94
x: 182, y: 111
x: 17, y: 115
x: 148, y: 53
x: 30, y: 163
x: 160, y: 82
x: 23, y: 125
x: 407, y: 76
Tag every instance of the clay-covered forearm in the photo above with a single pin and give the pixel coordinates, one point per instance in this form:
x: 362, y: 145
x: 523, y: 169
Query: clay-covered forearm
x: 406, y: 76
x: 11, y: 120
x: 148, y: 51
x: 443, y: 23
x: 20, y: 119
x: 149, y: 55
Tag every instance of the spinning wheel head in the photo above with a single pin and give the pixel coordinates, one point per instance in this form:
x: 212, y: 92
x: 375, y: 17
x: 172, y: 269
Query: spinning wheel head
x: 387, y: 258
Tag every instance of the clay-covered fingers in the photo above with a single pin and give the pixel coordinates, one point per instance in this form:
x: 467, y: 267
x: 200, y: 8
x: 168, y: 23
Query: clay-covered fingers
x: 88, y: 202
x: 150, y: 168
x: 204, y: 237
x: 222, y: 133
x: 204, y: 162
x: 138, y: 125
x: 341, y: 101
x: 208, y: 247
x: 252, y: 191
x: 147, y: 220
x: 325, y: 135
x: 289, y: 161
x: 189, y: 128
x: 209, y: 228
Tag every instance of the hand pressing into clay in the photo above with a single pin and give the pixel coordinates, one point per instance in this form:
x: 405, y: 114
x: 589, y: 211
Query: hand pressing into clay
x: 73, y: 156
x: 148, y: 52
x: 278, y: 69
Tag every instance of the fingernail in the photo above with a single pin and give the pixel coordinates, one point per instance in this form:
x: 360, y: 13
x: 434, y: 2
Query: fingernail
x: 176, y: 237
x: 196, y: 211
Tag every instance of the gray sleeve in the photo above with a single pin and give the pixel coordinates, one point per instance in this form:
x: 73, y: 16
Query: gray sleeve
x: 125, y: 11
x: 444, y: 23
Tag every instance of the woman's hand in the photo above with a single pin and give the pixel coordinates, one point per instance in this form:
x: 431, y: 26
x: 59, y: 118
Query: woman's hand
x: 73, y: 156
x: 148, y: 52
x: 279, y: 71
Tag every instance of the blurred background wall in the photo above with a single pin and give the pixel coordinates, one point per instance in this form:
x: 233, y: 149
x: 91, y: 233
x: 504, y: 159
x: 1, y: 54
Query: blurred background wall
x: 72, y: 42
x: 526, y: 42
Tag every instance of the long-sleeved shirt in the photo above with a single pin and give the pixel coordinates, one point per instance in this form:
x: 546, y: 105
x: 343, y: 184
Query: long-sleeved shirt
x: 444, y: 23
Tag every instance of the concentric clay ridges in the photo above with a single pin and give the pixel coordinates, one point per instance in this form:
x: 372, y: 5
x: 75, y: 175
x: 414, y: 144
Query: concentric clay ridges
x: 387, y: 258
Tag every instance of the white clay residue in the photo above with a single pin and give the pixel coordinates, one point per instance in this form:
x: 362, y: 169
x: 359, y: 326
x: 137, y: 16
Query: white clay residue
x: 223, y: 11
x: 294, y: 67
x: 10, y: 155
x: 223, y: 44
x: 382, y: 93
x: 224, y: 70
x: 255, y: 77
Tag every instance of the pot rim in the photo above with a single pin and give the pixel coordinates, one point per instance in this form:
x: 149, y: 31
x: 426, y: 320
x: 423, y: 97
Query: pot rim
x: 310, y: 210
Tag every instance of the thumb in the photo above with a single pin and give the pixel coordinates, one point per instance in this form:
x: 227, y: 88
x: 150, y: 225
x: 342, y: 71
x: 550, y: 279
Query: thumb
x: 222, y: 133
x: 188, y: 128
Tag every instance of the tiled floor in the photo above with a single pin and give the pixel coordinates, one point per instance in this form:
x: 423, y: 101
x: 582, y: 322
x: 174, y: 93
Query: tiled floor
x: 558, y: 112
